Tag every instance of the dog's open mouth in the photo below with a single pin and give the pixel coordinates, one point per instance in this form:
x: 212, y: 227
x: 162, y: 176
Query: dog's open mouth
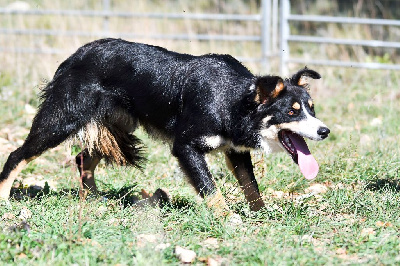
x: 295, y: 145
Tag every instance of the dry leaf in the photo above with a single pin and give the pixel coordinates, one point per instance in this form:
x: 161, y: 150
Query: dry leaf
x: 380, y: 224
x: 8, y: 216
x: 341, y: 251
x: 383, y: 224
x: 367, y: 231
x: 212, y: 261
x: 185, y: 255
x: 22, y: 256
x: 92, y: 242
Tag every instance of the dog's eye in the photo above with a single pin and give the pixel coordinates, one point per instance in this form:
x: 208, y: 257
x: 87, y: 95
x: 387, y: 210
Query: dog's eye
x: 291, y: 112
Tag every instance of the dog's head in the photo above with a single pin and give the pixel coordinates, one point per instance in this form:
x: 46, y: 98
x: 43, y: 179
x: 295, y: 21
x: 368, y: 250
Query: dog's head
x: 288, y: 117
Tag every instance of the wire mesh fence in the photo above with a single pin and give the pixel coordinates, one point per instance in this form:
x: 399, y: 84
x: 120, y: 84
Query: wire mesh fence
x: 272, y: 41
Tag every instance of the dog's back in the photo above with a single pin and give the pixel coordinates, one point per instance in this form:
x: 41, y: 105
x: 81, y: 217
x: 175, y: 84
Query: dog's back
x: 151, y: 83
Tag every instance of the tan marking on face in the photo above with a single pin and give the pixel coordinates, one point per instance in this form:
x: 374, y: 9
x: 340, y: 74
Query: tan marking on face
x: 303, y: 81
x: 307, y: 127
x: 310, y: 103
x: 279, y: 87
x: 296, y: 106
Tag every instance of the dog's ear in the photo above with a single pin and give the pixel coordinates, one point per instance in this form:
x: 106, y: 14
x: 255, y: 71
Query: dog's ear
x: 302, y: 77
x: 268, y: 88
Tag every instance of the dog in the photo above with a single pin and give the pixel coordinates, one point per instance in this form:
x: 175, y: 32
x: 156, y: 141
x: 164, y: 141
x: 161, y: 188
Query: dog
x: 197, y: 104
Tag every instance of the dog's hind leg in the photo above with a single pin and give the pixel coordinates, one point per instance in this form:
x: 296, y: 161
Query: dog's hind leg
x: 13, y: 166
x: 50, y: 127
x: 241, y: 166
x: 86, y: 164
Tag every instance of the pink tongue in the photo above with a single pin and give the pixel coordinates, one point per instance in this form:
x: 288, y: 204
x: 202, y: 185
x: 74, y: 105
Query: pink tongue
x: 307, y: 163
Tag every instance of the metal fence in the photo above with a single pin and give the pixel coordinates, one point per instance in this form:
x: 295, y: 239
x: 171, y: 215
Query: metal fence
x: 274, y: 19
x: 268, y: 24
x: 286, y: 38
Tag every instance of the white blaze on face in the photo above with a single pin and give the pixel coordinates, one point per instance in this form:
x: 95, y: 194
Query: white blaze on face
x: 307, y: 127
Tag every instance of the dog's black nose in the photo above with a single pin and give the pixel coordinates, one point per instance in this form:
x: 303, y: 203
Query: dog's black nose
x: 323, y: 132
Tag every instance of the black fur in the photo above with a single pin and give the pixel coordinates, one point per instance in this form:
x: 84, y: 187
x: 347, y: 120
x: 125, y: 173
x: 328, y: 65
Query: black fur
x: 179, y: 98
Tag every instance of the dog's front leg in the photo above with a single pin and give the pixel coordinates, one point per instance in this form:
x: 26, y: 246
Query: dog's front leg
x: 194, y: 165
x: 241, y: 166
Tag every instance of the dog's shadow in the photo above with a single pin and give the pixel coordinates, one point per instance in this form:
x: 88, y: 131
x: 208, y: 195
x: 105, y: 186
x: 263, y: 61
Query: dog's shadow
x: 127, y: 196
x: 384, y: 184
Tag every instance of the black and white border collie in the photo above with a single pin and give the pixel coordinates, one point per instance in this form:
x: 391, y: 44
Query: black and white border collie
x: 197, y: 104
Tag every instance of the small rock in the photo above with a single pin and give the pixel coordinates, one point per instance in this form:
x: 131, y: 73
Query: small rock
x: 162, y: 246
x: 235, y: 219
x: 101, y: 211
x: 377, y: 121
x: 185, y: 255
x: 317, y: 189
x: 215, y: 261
x: 143, y: 239
x: 211, y: 242
x: 212, y: 262
x: 25, y: 214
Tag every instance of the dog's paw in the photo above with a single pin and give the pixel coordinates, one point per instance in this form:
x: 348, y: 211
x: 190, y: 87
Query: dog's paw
x: 159, y: 198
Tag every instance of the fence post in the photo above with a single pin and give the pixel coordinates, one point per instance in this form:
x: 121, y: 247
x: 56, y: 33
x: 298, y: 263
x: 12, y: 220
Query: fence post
x: 265, y: 34
x: 106, y: 18
x: 285, y: 32
x: 275, y: 15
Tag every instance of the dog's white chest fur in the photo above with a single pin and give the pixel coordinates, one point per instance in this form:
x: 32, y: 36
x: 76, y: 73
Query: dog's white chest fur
x: 217, y: 142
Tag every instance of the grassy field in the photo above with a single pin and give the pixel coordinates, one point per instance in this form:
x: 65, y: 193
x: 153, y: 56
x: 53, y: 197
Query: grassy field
x: 348, y: 215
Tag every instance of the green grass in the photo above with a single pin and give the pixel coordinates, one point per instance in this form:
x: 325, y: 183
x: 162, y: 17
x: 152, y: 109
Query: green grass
x: 354, y: 222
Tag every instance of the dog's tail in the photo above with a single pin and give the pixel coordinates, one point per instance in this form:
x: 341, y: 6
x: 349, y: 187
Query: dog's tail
x: 113, y: 143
